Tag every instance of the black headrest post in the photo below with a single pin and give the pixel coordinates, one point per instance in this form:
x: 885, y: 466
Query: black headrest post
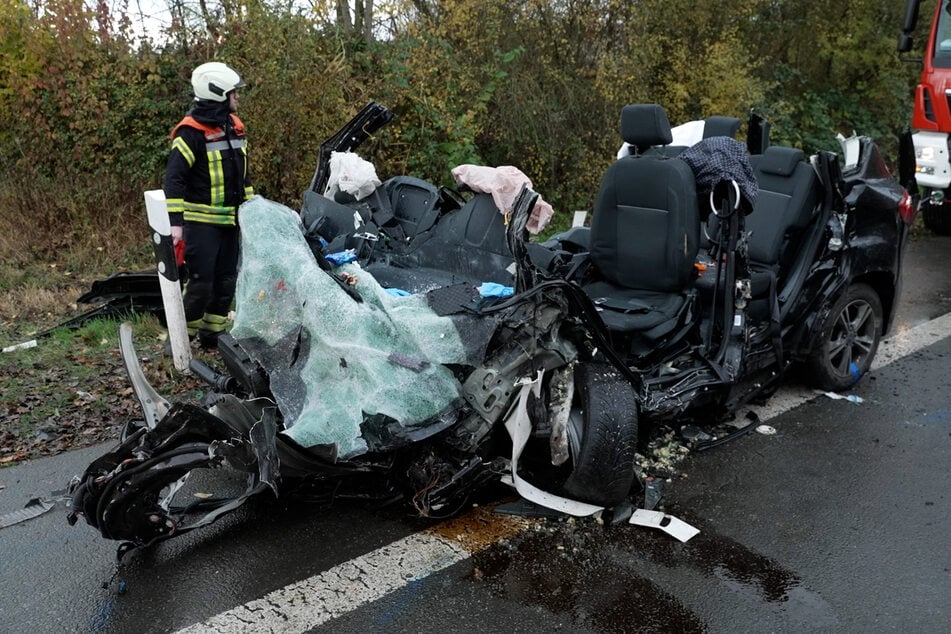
x: 757, y: 134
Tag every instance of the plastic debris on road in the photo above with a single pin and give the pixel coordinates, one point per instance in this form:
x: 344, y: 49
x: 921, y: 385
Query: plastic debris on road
x: 668, y: 523
x: 33, y: 508
x: 21, y: 346
x: 852, y: 398
x: 653, y: 492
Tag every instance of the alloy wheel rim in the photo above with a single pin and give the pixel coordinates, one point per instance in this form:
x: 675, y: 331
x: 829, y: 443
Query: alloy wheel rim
x: 853, y: 338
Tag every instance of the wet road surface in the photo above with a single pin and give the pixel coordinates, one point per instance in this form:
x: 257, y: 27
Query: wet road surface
x: 839, y: 523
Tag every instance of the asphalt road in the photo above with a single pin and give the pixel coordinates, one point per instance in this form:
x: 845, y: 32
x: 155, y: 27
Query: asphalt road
x: 837, y: 523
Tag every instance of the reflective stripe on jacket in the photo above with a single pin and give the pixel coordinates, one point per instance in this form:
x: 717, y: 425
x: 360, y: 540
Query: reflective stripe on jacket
x: 207, y: 174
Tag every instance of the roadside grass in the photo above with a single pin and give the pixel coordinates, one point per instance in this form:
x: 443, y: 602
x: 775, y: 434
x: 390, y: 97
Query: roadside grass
x: 72, y: 390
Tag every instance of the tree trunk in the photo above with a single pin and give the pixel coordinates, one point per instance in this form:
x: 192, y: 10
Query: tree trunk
x: 368, y: 21
x: 343, y: 16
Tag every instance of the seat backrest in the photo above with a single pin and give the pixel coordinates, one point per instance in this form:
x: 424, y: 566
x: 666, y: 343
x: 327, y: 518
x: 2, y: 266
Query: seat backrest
x: 645, y: 225
x: 787, y: 200
x: 413, y: 202
x: 468, y: 242
x: 720, y: 126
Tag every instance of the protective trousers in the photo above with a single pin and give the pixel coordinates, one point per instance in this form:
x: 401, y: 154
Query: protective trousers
x: 211, y: 254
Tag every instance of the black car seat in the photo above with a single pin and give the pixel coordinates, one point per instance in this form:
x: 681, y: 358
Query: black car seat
x: 466, y: 245
x: 720, y: 126
x: 414, y: 203
x: 788, y: 199
x: 644, y: 232
x: 470, y: 241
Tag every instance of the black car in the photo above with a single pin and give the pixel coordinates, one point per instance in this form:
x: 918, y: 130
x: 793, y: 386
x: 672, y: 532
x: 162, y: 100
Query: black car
x: 365, y: 363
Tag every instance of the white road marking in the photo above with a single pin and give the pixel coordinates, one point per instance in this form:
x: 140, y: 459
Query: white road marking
x: 321, y: 598
x: 311, y: 602
x: 306, y: 604
x: 898, y: 345
x: 903, y: 343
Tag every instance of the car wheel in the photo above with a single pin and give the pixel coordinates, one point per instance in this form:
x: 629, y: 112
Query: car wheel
x: 848, y: 339
x: 603, y: 448
x: 937, y: 218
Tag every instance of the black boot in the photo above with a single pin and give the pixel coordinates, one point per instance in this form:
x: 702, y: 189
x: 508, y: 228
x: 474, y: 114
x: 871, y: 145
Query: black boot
x: 208, y: 340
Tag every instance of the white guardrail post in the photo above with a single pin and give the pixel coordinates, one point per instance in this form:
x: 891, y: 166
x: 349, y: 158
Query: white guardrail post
x: 168, y: 277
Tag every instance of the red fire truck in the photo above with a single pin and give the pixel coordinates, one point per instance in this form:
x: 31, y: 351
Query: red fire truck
x: 931, y: 119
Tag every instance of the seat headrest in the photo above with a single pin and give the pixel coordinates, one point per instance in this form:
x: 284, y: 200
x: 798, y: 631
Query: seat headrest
x: 720, y: 126
x: 644, y: 125
x: 781, y: 161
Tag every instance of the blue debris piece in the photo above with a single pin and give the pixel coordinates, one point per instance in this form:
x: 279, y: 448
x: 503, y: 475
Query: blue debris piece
x: 341, y: 257
x: 492, y: 289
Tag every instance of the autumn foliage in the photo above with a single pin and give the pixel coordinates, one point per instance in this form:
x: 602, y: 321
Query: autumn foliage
x: 86, y: 103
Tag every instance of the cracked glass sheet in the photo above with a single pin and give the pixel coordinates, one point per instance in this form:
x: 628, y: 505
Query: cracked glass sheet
x: 333, y: 362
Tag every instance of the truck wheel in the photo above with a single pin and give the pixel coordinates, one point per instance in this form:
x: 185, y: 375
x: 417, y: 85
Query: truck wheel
x: 848, y: 339
x: 604, y: 447
x: 937, y: 218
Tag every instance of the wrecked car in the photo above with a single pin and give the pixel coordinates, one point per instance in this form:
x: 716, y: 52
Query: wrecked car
x: 414, y: 343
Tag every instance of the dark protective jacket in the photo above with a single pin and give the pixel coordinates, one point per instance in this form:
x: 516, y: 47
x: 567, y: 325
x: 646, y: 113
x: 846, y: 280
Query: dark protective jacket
x: 720, y: 159
x: 207, y: 174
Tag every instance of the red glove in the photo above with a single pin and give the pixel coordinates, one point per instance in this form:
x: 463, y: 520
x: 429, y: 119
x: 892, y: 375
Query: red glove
x: 180, y: 252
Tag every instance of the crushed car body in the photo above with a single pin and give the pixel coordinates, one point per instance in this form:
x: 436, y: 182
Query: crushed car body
x: 365, y: 363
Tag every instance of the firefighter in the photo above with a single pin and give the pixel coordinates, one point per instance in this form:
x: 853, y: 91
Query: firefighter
x: 206, y: 179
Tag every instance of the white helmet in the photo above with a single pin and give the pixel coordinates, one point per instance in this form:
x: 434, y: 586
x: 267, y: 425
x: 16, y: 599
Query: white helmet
x: 214, y: 80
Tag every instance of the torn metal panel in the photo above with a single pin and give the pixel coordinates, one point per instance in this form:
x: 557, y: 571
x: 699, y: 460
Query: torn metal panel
x: 154, y: 407
x: 562, y: 388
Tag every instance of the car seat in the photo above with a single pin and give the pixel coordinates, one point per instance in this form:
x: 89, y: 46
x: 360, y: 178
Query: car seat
x: 414, y: 203
x: 720, y: 126
x: 467, y: 244
x: 644, y: 232
x: 786, y: 204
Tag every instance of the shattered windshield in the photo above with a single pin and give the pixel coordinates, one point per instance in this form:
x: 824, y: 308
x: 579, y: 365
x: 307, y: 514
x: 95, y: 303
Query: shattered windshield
x: 341, y: 370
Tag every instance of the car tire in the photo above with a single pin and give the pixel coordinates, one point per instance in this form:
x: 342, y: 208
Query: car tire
x: 937, y: 217
x: 603, y: 458
x: 848, y: 339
